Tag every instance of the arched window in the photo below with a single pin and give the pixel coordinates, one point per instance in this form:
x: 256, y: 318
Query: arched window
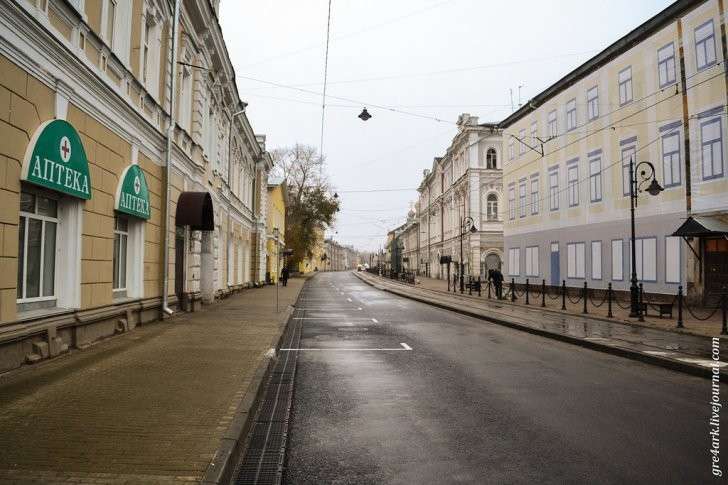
x: 492, y: 207
x: 491, y: 159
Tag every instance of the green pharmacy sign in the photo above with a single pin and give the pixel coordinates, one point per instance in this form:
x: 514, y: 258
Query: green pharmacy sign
x: 132, y: 194
x: 55, y: 159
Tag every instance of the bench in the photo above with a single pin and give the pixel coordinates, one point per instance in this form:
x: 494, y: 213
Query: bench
x: 664, y: 309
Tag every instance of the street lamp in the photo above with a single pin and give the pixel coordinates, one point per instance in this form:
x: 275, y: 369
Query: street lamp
x: 276, y: 240
x: 647, y: 174
x: 466, y: 225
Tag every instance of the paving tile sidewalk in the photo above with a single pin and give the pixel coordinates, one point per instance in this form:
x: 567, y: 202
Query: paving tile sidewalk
x: 150, y: 406
x: 691, y: 353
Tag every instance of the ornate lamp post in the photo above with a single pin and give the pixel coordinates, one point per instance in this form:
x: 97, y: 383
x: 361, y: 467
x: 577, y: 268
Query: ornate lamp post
x: 466, y: 225
x: 646, y: 175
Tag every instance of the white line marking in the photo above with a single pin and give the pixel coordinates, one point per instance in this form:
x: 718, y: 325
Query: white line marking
x: 393, y: 349
x: 349, y: 300
x: 375, y: 320
x: 346, y: 319
x: 406, y: 347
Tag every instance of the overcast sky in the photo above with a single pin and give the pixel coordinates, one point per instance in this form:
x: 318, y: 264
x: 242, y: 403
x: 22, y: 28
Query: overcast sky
x: 427, y: 57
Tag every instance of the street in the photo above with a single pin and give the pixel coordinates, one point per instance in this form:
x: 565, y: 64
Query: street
x: 473, y: 402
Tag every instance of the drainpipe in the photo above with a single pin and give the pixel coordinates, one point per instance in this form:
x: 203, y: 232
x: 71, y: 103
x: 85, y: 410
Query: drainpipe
x: 230, y: 182
x: 170, y: 134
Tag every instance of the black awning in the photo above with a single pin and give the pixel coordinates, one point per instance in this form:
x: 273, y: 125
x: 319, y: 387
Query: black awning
x: 194, y: 209
x: 702, y: 226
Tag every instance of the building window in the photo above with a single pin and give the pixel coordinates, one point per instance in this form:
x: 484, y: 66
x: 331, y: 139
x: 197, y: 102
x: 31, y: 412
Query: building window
x: 145, y: 52
x: 596, y: 260
x: 571, y: 115
x: 627, y: 155
x: 646, y: 256
x: 491, y: 159
x: 705, y: 45
x: 666, y: 65
x: 672, y: 259
x: 492, y: 207
x: 575, y: 260
x: 534, y: 133
x: 592, y: 103
x: 552, y: 126
x: 671, y: 159
x: 512, y: 202
x: 595, y: 179
x: 625, y: 86
x: 711, y: 135
x: 514, y: 262
x: 121, y: 248
x: 522, y: 198
x: 532, y: 261
x: 522, y: 145
x: 554, y: 189
x: 511, y: 149
x: 37, y: 241
x: 617, y: 260
x: 572, y: 173
x: 534, y: 196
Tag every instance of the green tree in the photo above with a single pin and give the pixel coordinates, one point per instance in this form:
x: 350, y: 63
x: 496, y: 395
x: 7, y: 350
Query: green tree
x: 311, y: 208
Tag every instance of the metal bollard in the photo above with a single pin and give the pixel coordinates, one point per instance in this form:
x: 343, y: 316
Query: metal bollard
x: 642, y: 308
x: 470, y: 285
x: 513, y: 289
x: 543, y: 293
x: 479, y: 285
x: 563, y: 294
x: 680, y: 307
x: 609, y: 301
x: 489, y: 289
x: 527, y: 291
x: 586, y: 295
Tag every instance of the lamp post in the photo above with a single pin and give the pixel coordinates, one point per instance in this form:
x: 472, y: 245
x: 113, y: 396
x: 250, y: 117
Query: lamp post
x: 276, y: 240
x: 646, y: 175
x: 466, y: 225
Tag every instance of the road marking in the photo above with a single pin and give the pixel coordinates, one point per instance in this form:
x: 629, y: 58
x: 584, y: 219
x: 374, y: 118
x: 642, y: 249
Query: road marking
x: 703, y: 362
x: 356, y: 350
x: 346, y: 319
x: 375, y: 320
x: 406, y: 347
x: 349, y: 300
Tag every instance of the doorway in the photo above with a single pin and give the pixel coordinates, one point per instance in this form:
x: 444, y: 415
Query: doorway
x: 716, y: 270
x: 179, y: 262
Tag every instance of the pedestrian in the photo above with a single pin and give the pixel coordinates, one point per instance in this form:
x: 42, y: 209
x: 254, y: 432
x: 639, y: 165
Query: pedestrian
x: 497, y: 277
x: 284, y: 276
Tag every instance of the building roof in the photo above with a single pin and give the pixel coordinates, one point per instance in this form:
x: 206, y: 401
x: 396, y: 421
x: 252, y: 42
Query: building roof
x: 616, y: 49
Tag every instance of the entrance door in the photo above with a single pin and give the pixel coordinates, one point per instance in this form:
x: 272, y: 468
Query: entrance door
x: 179, y: 262
x: 555, y: 265
x: 716, y: 270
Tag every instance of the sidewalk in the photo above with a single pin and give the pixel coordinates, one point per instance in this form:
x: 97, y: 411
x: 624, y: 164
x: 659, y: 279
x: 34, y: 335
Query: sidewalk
x: 149, y: 406
x: 676, y: 350
x: 707, y: 328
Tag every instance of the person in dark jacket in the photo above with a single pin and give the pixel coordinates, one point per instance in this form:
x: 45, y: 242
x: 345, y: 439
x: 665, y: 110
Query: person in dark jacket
x: 284, y: 276
x: 497, y: 277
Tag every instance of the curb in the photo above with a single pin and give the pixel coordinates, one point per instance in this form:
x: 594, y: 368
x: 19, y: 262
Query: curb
x: 222, y: 466
x: 666, y: 363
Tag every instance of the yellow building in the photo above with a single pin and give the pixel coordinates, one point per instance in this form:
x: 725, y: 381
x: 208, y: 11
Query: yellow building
x: 316, y: 260
x: 276, y: 227
x: 656, y: 95
x: 105, y: 189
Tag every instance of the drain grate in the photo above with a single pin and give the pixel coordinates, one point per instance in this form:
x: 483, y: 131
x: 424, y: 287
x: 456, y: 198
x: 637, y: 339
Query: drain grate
x: 264, y: 456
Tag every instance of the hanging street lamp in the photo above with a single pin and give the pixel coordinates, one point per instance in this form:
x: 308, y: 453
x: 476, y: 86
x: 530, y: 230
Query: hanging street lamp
x: 364, y: 115
x: 466, y: 225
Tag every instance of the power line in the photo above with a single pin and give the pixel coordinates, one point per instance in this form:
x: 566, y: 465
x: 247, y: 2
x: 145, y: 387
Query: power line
x: 323, y: 96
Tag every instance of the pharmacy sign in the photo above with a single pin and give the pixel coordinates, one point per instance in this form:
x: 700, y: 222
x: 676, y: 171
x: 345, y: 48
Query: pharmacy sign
x: 132, y: 194
x: 55, y: 159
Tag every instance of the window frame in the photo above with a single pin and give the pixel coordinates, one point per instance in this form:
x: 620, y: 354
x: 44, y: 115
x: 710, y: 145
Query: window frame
x: 491, y: 203
x: 627, y: 147
x: 592, y: 103
x: 522, y: 198
x: 512, y: 201
x: 552, y: 124
x: 621, y: 263
x: 514, y: 256
x: 521, y: 144
x: 488, y: 158
x: 716, y: 141
x: 666, y: 63
x: 535, y: 205
x: 675, y: 159
x: 595, y: 178
x: 625, y: 83
x: 571, y: 119
x: 593, y: 245
x: 575, y: 275
x: 703, y: 43
x: 124, y: 235
x: 554, y: 189
x: 532, y: 261
x: 45, y: 219
x: 511, y: 149
x: 572, y: 168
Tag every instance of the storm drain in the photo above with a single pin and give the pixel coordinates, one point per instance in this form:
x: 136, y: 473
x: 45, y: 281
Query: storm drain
x: 266, y: 450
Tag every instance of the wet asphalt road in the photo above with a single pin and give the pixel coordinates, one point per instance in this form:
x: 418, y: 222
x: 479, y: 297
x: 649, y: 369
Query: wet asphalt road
x: 474, y: 402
